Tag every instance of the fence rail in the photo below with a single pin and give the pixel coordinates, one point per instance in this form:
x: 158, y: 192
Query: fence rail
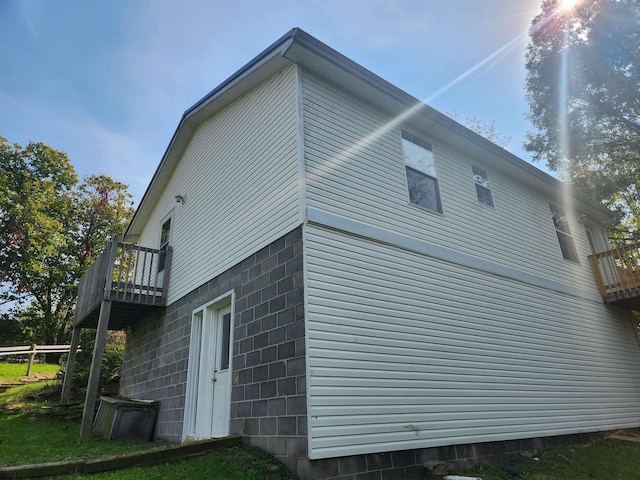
x: 32, y: 351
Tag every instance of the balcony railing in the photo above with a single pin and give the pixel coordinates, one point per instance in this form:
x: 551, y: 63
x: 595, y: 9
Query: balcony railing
x: 617, y: 273
x: 135, y: 278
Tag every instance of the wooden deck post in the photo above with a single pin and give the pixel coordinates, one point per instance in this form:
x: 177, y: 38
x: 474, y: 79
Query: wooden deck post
x: 71, y: 366
x: 98, y: 350
x: 96, y: 367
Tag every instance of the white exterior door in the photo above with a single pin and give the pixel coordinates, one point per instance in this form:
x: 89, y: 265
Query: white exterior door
x: 208, y: 398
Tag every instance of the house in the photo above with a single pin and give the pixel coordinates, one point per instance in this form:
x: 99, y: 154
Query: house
x: 359, y: 284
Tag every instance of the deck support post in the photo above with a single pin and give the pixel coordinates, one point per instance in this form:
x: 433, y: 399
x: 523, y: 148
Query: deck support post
x: 71, y: 366
x: 96, y: 367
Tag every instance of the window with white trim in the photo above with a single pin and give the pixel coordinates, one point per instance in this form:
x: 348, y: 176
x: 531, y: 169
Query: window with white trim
x: 565, y: 239
x: 165, y: 240
x: 483, y: 188
x: 420, y: 167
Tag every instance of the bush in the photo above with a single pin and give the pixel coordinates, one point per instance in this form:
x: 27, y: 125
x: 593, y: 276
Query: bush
x: 111, y: 360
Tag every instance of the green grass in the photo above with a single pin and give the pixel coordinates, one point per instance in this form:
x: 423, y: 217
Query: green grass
x: 11, y: 372
x: 18, y: 393
x: 232, y: 463
x: 34, y: 438
x: 30, y: 437
x: 603, y: 460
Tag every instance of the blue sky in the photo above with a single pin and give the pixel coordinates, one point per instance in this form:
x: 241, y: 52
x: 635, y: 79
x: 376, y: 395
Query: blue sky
x: 107, y: 81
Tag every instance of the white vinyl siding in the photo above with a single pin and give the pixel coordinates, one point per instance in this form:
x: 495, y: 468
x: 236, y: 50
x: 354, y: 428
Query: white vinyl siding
x: 407, y: 351
x: 239, y: 177
x: 355, y: 168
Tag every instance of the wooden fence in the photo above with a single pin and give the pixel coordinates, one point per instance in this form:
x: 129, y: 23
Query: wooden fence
x: 32, y: 351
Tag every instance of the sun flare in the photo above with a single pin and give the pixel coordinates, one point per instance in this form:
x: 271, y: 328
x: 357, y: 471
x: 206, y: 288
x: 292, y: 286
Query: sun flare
x: 567, y: 5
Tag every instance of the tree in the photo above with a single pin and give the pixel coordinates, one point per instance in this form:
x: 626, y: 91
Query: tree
x: 485, y: 128
x: 583, y: 89
x: 51, y: 230
x: 11, y: 333
x: 104, y: 209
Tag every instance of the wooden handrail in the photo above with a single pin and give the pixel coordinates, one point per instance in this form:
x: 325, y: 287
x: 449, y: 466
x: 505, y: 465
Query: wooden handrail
x: 617, y: 272
x: 125, y: 273
x: 139, y: 278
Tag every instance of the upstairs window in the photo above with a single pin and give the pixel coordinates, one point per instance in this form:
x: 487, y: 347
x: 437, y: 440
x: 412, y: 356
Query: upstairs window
x: 563, y: 231
x: 483, y: 189
x: 165, y: 239
x: 165, y: 234
x: 421, y: 172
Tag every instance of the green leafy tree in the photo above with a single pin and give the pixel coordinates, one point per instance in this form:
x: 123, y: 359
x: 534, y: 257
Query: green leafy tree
x: 51, y: 229
x: 104, y: 209
x: 583, y: 89
x: 11, y: 332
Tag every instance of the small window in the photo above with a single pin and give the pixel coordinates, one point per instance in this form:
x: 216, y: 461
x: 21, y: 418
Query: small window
x: 225, y: 343
x: 165, y: 234
x: 165, y: 239
x: 563, y: 231
x: 483, y: 189
x: 421, y: 172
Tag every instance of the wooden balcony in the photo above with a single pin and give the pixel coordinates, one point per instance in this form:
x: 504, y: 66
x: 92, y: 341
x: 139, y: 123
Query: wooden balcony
x: 134, y: 278
x: 617, y: 273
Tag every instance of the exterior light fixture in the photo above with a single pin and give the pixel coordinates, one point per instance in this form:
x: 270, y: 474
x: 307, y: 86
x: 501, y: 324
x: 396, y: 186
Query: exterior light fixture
x: 179, y: 199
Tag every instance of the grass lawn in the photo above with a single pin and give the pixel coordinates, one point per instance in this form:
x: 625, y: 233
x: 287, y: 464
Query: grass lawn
x: 19, y: 392
x: 603, y: 460
x: 11, y: 372
x: 31, y: 437
x: 34, y: 438
x: 232, y: 463
x: 27, y: 439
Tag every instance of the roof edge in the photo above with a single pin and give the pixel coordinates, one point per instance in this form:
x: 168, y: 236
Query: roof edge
x: 299, y: 47
x: 278, y: 48
x: 320, y: 49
